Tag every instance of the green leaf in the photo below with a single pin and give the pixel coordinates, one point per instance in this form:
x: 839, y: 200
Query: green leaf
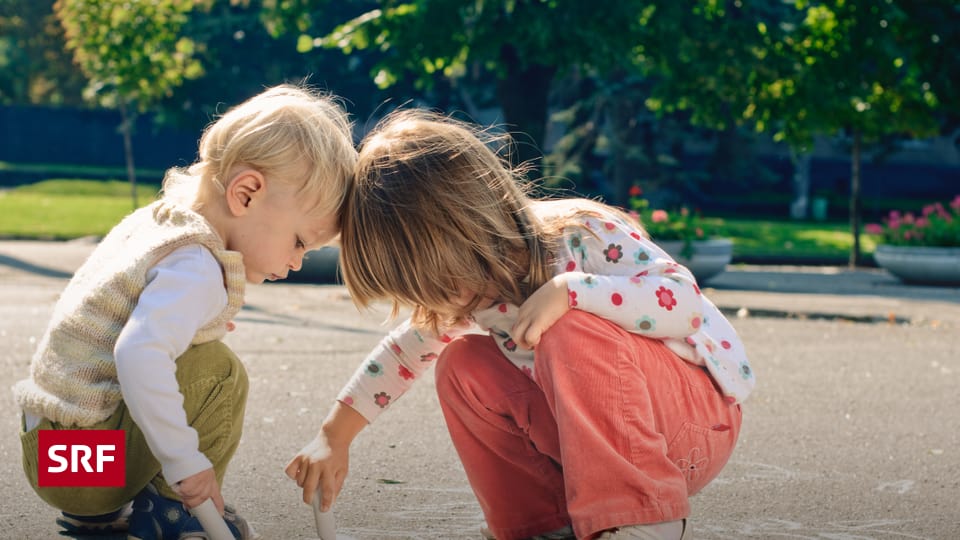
x: 304, y: 43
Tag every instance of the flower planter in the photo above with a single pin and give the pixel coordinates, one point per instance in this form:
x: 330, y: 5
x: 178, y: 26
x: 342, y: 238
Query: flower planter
x: 710, y: 257
x: 923, y: 265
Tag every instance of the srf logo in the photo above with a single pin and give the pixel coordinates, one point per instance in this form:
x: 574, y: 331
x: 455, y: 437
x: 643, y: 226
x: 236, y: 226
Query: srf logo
x: 81, y: 458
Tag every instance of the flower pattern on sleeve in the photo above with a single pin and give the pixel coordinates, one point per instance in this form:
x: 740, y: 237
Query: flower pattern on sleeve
x: 624, y: 277
x: 613, y: 253
x: 665, y: 298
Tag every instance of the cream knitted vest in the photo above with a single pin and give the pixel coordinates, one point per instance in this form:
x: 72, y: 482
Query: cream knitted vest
x: 73, y: 378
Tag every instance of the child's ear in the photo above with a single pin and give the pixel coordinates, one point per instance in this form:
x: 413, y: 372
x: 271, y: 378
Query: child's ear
x: 243, y: 189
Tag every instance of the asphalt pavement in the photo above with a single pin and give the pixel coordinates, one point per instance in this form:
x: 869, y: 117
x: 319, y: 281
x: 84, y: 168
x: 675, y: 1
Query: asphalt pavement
x: 852, y: 433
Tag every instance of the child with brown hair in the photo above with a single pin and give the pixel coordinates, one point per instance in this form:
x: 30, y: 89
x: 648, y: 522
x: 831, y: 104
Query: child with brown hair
x: 588, y: 385
x: 134, y: 343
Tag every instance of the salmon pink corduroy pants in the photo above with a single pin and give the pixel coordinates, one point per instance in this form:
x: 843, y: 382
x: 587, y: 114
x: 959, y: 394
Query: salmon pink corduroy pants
x: 614, y: 429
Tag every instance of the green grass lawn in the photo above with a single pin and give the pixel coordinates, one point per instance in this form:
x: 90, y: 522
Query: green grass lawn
x: 799, y: 239
x: 68, y: 208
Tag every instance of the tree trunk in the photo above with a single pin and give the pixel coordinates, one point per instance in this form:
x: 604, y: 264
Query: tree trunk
x: 799, y: 208
x: 523, y: 94
x: 624, y: 133
x: 126, y: 129
x: 855, y: 258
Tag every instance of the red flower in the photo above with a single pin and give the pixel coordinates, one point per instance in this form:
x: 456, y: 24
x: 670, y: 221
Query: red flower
x: 666, y: 299
x: 572, y: 298
x: 635, y: 191
x: 405, y: 373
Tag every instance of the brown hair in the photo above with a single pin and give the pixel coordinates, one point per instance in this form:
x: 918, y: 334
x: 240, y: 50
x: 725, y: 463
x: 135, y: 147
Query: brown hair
x: 434, y: 211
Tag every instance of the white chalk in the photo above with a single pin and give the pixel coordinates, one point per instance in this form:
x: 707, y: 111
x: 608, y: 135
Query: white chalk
x: 212, y: 521
x: 326, y: 525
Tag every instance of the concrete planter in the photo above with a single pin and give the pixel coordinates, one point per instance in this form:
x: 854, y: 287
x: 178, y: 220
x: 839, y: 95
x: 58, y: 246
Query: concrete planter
x: 710, y: 257
x: 921, y: 264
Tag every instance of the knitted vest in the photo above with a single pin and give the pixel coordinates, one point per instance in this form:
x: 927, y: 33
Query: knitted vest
x: 73, y: 377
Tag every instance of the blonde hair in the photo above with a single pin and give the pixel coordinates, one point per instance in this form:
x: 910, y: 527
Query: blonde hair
x: 291, y: 134
x: 434, y: 211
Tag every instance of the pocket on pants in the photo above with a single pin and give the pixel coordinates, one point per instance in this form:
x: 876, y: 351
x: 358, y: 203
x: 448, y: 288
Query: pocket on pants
x: 700, y: 453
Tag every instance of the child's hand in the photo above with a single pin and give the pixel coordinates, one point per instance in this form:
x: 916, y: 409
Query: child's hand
x: 193, y: 490
x: 540, y: 311
x: 320, y: 465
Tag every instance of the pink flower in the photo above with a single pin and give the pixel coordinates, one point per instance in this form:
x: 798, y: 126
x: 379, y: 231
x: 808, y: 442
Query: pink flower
x: 873, y: 228
x: 659, y: 216
x: 665, y: 298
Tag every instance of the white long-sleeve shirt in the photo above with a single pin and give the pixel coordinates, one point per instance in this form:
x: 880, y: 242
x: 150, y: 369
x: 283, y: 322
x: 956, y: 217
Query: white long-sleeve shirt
x: 612, y: 270
x: 184, y: 293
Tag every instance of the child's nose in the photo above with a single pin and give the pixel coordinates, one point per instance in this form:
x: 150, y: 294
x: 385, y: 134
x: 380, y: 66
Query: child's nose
x: 296, y: 263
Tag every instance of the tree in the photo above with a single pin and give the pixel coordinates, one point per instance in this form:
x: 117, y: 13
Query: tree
x: 34, y: 67
x: 524, y: 43
x: 242, y: 51
x: 692, y: 63
x: 851, y: 69
x: 863, y: 70
x: 703, y: 60
x: 132, y: 54
x: 934, y: 36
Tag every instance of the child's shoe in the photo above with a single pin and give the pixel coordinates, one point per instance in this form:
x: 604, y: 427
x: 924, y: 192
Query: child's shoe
x: 192, y: 530
x: 105, y: 524
x: 157, y: 518
x: 672, y: 530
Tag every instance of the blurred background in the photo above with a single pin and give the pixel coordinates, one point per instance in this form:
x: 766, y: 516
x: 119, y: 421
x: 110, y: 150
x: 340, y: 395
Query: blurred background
x: 786, y: 125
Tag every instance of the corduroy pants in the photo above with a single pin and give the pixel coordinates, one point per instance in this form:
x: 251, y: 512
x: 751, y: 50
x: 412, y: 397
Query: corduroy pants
x: 613, y: 430
x: 214, y: 385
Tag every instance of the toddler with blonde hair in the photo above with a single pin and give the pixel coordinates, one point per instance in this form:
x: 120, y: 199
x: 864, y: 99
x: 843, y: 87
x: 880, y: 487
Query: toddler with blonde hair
x: 134, y: 342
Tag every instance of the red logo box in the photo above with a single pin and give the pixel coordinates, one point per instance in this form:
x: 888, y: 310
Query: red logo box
x: 82, y: 458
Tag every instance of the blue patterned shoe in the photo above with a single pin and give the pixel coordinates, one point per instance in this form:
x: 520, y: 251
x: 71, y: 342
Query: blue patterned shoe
x: 192, y: 530
x: 156, y: 517
x: 102, y: 525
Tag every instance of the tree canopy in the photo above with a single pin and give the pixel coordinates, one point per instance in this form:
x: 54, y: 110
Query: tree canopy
x: 524, y: 44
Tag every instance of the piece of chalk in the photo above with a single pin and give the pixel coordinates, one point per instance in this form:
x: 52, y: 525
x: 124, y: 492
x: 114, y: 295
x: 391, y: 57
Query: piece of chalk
x: 212, y: 521
x: 326, y: 526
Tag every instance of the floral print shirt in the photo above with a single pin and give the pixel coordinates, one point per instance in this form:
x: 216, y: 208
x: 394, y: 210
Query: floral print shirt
x: 613, y: 271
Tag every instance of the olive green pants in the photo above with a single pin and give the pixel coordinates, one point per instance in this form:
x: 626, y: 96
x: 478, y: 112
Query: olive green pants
x: 214, y: 385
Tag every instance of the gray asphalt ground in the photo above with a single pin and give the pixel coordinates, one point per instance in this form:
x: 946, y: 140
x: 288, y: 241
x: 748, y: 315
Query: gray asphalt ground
x: 852, y: 432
